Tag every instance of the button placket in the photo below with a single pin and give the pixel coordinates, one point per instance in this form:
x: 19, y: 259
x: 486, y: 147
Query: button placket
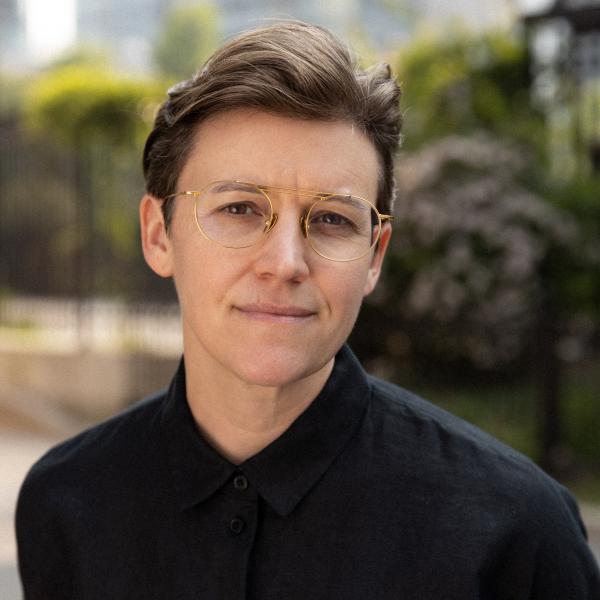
x: 240, y: 482
x: 237, y: 525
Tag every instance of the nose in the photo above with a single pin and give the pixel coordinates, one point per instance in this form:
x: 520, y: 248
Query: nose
x: 283, y: 252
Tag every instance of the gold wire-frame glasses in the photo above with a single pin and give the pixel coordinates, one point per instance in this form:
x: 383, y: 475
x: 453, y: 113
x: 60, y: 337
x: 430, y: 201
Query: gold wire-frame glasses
x: 237, y: 214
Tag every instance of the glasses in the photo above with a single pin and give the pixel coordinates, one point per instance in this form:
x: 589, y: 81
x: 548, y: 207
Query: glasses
x: 236, y: 214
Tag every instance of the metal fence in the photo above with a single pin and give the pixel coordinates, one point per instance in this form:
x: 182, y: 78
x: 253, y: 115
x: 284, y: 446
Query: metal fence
x: 73, y: 282
x: 68, y: 220
x: 101, y: 325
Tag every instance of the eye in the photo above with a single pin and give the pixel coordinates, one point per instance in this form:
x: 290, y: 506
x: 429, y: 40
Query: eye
x: 240, y: 208
x: 331, y: 219
x: 237, y: 209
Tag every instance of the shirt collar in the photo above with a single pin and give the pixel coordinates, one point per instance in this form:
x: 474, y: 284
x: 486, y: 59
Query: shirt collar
x: 286, y: 469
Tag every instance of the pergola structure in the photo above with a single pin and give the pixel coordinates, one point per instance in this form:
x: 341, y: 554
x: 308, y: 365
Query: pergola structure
x: 581, y: 65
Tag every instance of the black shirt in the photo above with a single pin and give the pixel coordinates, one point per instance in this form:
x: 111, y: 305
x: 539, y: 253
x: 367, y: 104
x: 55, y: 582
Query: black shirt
x: 372, y: 493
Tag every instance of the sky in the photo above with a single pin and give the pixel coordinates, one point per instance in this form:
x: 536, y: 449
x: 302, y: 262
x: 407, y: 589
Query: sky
x: 50, y: 27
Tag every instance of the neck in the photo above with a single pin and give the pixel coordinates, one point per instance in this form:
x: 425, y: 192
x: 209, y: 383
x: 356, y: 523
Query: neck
x: 238, y: 418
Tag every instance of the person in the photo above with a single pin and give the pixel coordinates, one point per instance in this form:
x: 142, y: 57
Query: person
x: 274, y: 467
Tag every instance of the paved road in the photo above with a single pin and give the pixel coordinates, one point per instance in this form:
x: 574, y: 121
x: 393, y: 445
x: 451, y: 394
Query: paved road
x: 19, y: 450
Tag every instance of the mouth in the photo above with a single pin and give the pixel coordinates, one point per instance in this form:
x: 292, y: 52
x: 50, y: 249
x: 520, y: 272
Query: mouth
x: 276, y: 313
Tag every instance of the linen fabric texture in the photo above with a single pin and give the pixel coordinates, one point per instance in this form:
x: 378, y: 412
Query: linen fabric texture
x: 372, y: 493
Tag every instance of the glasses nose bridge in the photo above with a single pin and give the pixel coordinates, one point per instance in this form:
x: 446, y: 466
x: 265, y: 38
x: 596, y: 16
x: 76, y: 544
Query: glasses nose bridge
x: 269, y: 191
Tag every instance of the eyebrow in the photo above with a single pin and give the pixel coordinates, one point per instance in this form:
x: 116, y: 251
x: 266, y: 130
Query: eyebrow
x: 353, y: 200
x: 258, y: 189
x: 236, y: 186
x: 309, y: 193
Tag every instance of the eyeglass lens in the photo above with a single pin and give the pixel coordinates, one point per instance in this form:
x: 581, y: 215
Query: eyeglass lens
x: 236, y: 215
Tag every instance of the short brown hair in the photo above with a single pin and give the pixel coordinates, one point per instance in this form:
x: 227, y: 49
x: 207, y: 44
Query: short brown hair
x: 292, y: 69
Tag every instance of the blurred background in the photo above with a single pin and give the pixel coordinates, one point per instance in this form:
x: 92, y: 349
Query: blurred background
x: 490, y: 304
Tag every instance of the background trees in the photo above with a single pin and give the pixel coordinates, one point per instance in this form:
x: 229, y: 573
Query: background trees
x: 459, y: 83
x: 494, y: 269
x: 71, y: 180
x: 189, y: 36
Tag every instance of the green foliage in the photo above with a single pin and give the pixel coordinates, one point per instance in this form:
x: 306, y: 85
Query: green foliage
x: 83, y: 104
x: 577, y: 281
x: 80, y: 55
x: 502, y: 410
x: 11, y: 91
x: 460, y: 83
x: 190, y: 35
x: 95, y: 120
x: 473, y: 253
x: 590, y: 112
x: 478, y: 245
x: 505, y: 411
x: 495, y: 265
x: 583, y: 412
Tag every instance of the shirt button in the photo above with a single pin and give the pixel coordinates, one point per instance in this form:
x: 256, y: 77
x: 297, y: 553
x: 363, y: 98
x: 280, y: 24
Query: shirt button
x: 240, y: 482
x: 236, y: 525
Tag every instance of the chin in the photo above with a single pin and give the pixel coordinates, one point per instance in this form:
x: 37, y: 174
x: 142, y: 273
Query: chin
x: 278, y: 367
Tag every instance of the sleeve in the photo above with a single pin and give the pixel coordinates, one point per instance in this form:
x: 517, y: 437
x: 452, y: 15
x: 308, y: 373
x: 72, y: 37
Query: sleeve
x: 545, y: 554
x: 42, y: 556
x: 564, y: 565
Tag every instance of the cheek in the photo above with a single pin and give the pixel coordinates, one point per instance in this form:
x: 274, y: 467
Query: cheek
x: 194, y: 267
x: 346, y: 289
x: 205, y: 274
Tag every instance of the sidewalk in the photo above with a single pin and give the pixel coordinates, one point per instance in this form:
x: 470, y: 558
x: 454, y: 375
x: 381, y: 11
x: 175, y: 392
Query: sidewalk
x: 18, y: 451
x: 591, y: 517
x: 28, y: 427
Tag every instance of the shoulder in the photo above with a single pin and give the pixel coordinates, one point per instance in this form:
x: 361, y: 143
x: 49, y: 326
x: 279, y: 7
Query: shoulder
x: 461, y: 459
x: 72, y: 492
x: 69, y: 492
x: 477, y: 488
x: 94, y: 454
x: 394, y: 406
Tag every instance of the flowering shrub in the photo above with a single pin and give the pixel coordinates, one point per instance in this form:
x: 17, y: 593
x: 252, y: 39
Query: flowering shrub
x: 473, y: 252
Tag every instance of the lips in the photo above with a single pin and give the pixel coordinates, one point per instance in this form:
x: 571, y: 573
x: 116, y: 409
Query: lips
x: 275, y: 312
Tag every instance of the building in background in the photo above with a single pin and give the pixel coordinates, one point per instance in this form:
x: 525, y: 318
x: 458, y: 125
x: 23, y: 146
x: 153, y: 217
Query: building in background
x: 130, y: 28
x: 12, y: 31
x: 34, y: 32
x: 126, y: 27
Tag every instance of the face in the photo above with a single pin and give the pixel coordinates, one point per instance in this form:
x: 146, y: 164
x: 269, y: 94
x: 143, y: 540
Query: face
x: 276, y: 312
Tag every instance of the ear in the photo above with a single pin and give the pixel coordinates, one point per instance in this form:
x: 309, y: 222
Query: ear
x: 377, y: 260
x: 156, y: 243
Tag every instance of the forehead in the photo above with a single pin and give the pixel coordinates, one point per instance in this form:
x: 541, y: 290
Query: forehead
x: 269, y: 149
